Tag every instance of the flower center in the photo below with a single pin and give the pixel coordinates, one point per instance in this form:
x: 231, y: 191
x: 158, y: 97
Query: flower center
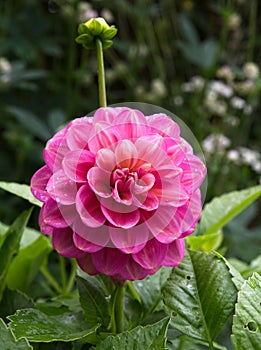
x: 122, y: 182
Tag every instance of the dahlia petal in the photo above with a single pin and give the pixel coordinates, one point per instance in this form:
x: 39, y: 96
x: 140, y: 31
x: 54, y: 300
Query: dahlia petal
x: 78, y: 133
x: 107, y: 114
x: 126, y: 154
x: 132, y: 124
x: 152, y: 255
x: 129, y: 241
x: 163, y: 125
x: 147, y: 201
x: 39, y: 182
x: 77, y: 163
x: 122, y: 193
x: 103, y: 135
x: 61, y: 189
x: 63, y: 243
x: 44, y: 228
x: 55, y: 216
x: 149, y: 150
x: 190, y: 213
x: 99, y: 181
x: 144, y: 184
x: 109, y: 261
x: 170, y: 192
x: 175, y: 253
x: 54, y: 152
x: 88, y: 207
x: 105, y: 159
x: 171, y: 232
x: 194, y: 172
x: 86, y: 264
x: 84, y: 245
x: 133, y: 271
x: 120, y: 215
x: 98, y: 236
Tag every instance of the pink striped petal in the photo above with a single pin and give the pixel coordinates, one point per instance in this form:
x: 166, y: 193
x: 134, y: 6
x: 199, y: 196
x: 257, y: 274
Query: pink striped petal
x: 147, y: 201
x: 39, y: 182
x: 98, y: 236
x: 109, y: 261
x: 84, y: 245
x: 63, y: 243
x: 78, y: 133
x: 99, y: 181
x: 107, y: 114
x: 175, y: 253
x: 61, y: 189
x: 132, y: 124
x: 54, y: 152
x: 119, y: 215
x: 105, y: 159
x: 131, y: 240
x: 77, y: 163
x: 194, y: 172
x: 152, y: 255
x: 88, y: 207
x: 86, y: 264
x: 126, y: 154
x: 103, y: 135
x: 162, y: 124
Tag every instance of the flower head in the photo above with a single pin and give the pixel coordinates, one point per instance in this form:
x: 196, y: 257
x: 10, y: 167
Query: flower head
x: 120, y: 192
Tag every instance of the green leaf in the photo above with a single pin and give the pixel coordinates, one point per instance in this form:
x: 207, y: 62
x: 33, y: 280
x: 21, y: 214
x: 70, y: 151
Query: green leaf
x: 13, y: 300
x: 20, y: 190
x: 151, y: 337
x: 27, y: 263
x: 8, y: 342
x: 187, y: 343
x: 39, y: 327
x: 94, y: 299
x: 206, y: 243
x: 246, y: 326
x: 10, y: 246
x: 200, y: 294
x: 224, y: 208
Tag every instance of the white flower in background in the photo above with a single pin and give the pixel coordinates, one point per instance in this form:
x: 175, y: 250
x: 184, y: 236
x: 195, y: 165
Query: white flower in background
x: 232, y: 120
x: 237, y: 102
x: 85, y: 11
x: 251, y: 70
x: 187, y: 87
x: 248, y: 109
x: 215, y: 106
x: 234, y: 21
x: 256, y: 167
x: 234, y: 156
x: 225, y: 72
x: 107, y: 15
x: 197, y: 82
x: 221, y: 88
x: 249, y: 156
x: 158, y: 88
x: 5, y: 65
x: 215, y: 142
x: 178, y: 100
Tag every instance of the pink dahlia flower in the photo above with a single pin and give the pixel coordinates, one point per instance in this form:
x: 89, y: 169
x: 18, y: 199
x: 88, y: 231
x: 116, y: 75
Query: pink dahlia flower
x: 120, y: 192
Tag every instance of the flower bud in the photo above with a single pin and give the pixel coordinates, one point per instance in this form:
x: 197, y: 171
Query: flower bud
x: 95, y: 28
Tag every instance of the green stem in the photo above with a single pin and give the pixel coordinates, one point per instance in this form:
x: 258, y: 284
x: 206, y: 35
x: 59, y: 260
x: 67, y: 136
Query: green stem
x: 119, y: 308
x: 133, y: 292
x: 71, y: 278
x: 50, y: 279
x: 62, y: 272
x: 101, y: 74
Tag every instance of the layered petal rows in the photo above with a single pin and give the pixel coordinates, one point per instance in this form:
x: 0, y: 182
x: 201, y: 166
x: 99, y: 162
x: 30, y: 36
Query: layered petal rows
x: 120, y: 191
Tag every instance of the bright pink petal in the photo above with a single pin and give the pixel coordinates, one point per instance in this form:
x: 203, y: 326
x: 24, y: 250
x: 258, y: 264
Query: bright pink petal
x: 163, y: 125
x: 58, y: 217
x: 144, y: 184
x: 152, y: 255
x: 88, y: 207
x: 62, y: 189
x: 86, y: 264
x: 118, y: 214
x: 133, y: 271
x: 147, y: 201
x: 78, y: 133
x: 63, y: 243
x: 150, y: 151
x: 132, y: 124
x: 77, y: 163
x: 170, y: 192
x: 175, y: 253
x: 109, y: 261
x: 126, y: 154
x: 84, y: 245
x: 99, y: 181
x: 108, y: 114
x: 98, y: 236
x: 105, y: 159
x: 131, y: 240
x: 39, y: 182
